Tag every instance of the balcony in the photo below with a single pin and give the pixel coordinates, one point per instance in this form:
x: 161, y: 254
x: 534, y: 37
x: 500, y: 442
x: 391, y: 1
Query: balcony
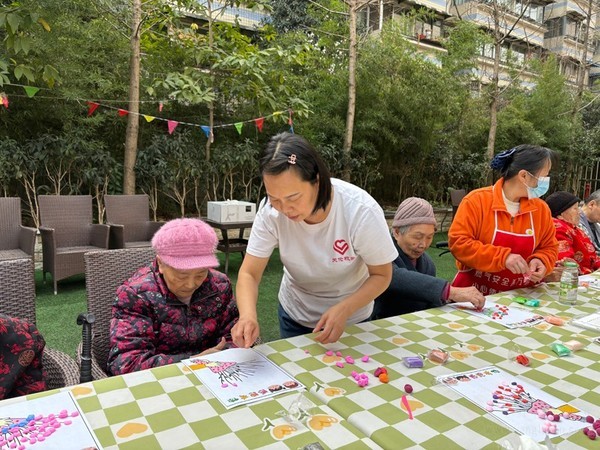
x: 244, y: 17
x: 569, y: 46
x: 565, y: 8
x: 529, y: 31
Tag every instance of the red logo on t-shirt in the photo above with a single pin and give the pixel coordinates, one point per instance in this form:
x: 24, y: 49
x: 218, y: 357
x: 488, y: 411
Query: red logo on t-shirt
x: 341, y: 246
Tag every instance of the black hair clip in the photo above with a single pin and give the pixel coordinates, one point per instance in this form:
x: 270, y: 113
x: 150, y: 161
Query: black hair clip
x: 499, y: 161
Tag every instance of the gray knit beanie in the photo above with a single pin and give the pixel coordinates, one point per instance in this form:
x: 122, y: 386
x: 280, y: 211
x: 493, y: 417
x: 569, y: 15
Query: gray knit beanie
x: 413, y: 211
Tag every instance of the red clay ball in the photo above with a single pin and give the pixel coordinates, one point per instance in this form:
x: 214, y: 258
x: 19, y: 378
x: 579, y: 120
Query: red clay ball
x: 408, y: 388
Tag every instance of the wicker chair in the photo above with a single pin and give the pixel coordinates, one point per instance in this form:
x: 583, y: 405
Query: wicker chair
x: 67, y: 233
x: 17, y: 285
x: 129, y: 220
x: 104, y: 273
x: 456, y: 196
x: 16, y: 241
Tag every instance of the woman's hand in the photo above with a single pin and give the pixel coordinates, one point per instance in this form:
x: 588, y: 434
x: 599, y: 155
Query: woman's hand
x: 537, y: 270
x: 331, y: 324
x: 516, y: 263
x: 217, y: 348
x: 467, y: 294
x: 245, y: 332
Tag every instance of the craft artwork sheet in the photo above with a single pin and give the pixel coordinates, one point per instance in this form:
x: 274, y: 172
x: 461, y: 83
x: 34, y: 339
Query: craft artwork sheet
x: 515, y: 402
x: 238, y: 376
x: 509, y: 316
x: 589, y: 282
x: 49, y: 422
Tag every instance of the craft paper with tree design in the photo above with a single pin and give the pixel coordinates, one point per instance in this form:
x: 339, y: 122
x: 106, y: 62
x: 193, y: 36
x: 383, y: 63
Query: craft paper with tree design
x: 514, y: 402
x: 49, y: 422
x: 238, y: 376
x: 508, y: 316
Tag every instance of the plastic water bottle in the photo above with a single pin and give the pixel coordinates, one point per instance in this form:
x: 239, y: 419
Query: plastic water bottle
x: 569, y: 282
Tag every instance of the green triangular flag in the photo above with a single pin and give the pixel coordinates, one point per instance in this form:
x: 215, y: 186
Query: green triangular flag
x: 31, y: 90
x: 238, y: 127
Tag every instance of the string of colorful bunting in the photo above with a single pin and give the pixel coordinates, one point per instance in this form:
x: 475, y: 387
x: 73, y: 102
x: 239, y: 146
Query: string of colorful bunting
x: 171, y: 124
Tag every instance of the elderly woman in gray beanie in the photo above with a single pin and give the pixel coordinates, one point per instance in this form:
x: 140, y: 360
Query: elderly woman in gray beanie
x: 414, y: 285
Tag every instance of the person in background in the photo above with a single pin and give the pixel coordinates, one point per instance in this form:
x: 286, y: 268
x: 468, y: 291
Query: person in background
x: 502, y: 235
x: 333, y: 242
x: 573, y: 243
x: 177, y: 307
x: 21, y: 350
x: 414, y: 285
x: 589, y: 218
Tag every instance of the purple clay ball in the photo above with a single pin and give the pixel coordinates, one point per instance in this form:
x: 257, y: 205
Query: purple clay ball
x: 408, y: 388
x: 592, y: 435
x: 589, y: 419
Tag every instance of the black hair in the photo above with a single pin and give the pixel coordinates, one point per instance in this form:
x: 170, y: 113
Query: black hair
x: 287, y: 151
x: 523, y: 157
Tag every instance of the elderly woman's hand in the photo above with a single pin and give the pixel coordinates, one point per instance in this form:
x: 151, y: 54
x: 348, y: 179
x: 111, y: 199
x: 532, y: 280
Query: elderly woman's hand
x: 217, y: 348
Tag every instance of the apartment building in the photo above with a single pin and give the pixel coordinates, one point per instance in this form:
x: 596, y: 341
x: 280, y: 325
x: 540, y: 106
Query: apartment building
x: 533, y: 29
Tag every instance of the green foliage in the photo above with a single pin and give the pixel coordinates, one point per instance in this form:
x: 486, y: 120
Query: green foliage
x: 18, y: 24
x: 291, y: 15
x: 232, y: 70
x: 463, y: 44
x: 549, y: 105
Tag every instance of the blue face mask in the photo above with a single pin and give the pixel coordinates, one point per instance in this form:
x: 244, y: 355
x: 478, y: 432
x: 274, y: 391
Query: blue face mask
x: 541, y: 188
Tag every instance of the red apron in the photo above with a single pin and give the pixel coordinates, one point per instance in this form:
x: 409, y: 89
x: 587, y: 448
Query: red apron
x: 490, y: 283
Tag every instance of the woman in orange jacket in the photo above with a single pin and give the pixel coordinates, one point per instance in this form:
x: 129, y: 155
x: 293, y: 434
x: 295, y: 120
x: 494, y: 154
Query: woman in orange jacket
x: 502, y: 235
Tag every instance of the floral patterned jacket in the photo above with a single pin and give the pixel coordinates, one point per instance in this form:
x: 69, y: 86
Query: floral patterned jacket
x: 150, y: 327
x: 574, y: 244
x: 21, y: 348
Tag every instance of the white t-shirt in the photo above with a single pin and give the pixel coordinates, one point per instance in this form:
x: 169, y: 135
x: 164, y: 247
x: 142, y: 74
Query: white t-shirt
x: 325, y: 262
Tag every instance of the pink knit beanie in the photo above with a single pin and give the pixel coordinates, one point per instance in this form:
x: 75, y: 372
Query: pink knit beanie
x: 186, y: 244
x: 414, y: 211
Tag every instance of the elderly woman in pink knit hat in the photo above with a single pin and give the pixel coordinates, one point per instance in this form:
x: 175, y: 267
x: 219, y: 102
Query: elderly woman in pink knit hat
x: 414, y: 285
x: 177, y: 307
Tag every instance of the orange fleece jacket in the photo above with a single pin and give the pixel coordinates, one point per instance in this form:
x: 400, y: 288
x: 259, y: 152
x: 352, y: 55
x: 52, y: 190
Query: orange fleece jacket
x: 472, y: 230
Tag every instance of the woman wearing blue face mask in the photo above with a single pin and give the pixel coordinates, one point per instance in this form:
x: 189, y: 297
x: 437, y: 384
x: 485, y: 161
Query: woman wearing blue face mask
x: 502, y: 235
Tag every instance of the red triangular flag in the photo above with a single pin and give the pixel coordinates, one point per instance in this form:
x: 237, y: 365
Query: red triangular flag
x: 5, y: 101
x: 259, y: 123
x: 123, y: 112
x: 92, y: 107
x: 172, y: 124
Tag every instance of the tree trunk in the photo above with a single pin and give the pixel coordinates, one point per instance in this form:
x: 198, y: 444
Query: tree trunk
x: 495, y: 94
x: 352, y: 57
x: 211, y: 106
x: 133, y: 118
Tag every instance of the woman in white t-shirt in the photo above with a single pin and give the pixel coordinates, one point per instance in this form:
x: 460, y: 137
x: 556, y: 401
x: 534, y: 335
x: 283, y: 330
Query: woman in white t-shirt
x: 333, y: 242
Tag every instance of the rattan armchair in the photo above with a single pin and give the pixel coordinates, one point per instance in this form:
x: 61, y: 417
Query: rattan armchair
x: 129, y: 220
x: 16, y: 241
x: 17, y: 285
x: 68, y: 233
x: 104, y: 273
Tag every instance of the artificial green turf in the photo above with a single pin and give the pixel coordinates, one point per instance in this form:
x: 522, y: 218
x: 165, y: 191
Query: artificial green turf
x: 57, y: 314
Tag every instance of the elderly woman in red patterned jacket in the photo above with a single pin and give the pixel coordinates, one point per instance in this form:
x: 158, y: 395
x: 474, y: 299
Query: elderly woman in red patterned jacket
x: 573, y: 243
x: 21, y: 348
x: 177, y: 307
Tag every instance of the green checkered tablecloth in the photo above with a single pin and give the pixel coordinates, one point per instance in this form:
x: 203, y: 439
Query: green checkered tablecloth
x: 444, y: 419
x: 168, y: 408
